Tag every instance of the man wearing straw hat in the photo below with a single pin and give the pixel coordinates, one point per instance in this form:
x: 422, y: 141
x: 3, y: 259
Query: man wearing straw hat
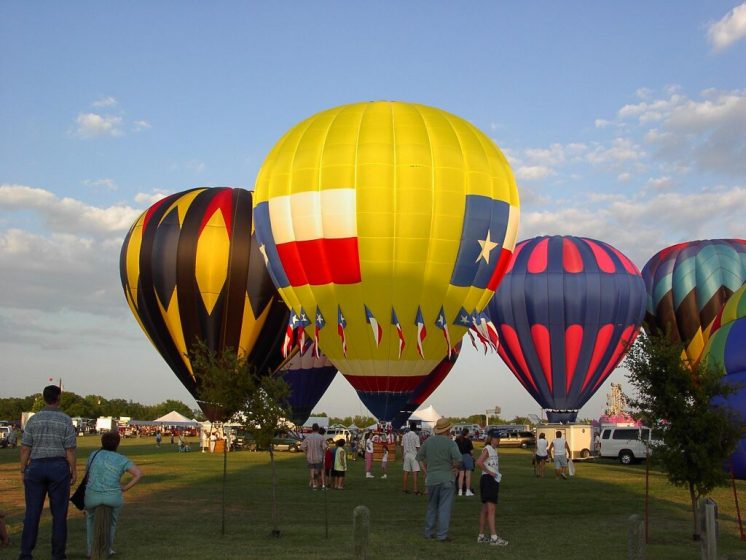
x: 443, y: 459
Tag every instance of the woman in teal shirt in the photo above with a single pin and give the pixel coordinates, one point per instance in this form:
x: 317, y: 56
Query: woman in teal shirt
x: 105, y: 469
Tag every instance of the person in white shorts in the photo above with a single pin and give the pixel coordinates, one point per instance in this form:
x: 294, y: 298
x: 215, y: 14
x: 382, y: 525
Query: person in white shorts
x: 410, y: 443
x: 560, y: 451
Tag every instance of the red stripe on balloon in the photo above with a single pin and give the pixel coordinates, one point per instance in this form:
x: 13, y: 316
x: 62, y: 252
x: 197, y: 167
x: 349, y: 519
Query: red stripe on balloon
x: 537, y: 262
x: 629, y: 266
x: 627, y: 339
x: 573, y: 343
x: 152, y: 210
x: 518, y: 249
x: 385, y: 383
x: 605, y: 262
x: 502, y: 265
x: 542, y: 344
x: 509, y: 338
x: 223, y: 201
x: 602, y: 342
x: 321, y: 261
x: 571, y: 259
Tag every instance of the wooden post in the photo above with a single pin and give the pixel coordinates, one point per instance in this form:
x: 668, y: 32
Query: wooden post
x: 360, y: 532
x: 708, y: 515
x: 635, y: 538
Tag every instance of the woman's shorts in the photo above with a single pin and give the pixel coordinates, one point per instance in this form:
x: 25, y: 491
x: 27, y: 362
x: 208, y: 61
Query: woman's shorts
x: 338, y: 474
x: 541, y: 458
x: 467, y: 462
x: 489, y: 489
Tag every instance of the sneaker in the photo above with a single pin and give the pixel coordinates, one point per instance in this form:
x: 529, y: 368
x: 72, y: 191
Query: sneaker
x: 563, y: 475
x: 469, y: 493
x: 369, y: 475
x: 483, y: 539
x: 497, y: 541
x: 383, y: 476
x: 460, y: 492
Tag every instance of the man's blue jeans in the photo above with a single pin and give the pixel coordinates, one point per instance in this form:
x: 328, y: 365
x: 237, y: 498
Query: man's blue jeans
x: 42, y: 477
x: 439, y: 504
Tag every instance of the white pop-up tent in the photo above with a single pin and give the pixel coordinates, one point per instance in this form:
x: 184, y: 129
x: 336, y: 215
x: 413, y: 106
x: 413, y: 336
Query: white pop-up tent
x: 428, y: 416
x: 174, y: 418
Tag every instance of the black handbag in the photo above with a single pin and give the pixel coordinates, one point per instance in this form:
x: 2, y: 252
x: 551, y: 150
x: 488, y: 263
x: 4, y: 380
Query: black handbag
x: 78, y: 497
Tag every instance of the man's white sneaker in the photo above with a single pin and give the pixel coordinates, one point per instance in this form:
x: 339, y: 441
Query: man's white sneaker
x: 469, y: 493
x: 460, y: 492
x: 369, y: 475
x: 483, y: 539
x: 497, y: 541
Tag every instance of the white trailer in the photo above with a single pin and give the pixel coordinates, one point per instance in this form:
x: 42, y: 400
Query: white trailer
x: 105, y: 424
x: 579, y: 437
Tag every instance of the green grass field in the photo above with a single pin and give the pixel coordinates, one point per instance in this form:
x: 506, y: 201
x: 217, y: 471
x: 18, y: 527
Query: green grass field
x: 174, y: 513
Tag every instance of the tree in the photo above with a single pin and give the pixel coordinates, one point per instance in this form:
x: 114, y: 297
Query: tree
x: 231, y: 389
x: 696, y: 437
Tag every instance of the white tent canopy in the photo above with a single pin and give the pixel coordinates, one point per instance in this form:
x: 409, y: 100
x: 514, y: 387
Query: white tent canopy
x: 428, y: 416
x: 173, y: 418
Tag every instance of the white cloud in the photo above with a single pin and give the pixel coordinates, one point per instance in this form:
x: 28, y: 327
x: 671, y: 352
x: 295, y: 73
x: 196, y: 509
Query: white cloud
x: 660, y: 183
x: 728, y: 30
x: 91, y: 125
x: 67, y: 215
x: 533, y: 172
x: 151, y: 198
x: 105, y: 102
x: 141, y: 125
x: 621, y: 151
x: 107, y: 184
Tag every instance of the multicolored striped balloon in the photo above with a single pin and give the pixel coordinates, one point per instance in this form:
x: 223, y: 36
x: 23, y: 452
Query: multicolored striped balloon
x: 726, y: 350
x: 566, y: 312
x: 191, y: 270
x: 687, y: 284
x: 381, y: 223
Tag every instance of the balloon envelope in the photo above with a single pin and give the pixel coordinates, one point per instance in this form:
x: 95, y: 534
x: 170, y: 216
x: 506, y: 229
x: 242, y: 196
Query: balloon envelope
x: 191, y: 271
x: 687, y: 284
x: 308, y: 378
x: 566, y: 311
x: 726, y: 350
x: 381, y: 222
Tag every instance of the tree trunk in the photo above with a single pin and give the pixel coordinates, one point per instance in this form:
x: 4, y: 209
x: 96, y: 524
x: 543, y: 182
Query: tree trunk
x: 225, y: 479
x: 275, y: 517
x: 696, y: 535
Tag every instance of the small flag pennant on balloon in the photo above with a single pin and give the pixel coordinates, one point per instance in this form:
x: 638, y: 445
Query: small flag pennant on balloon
x: 421, y: 332
x: 303, y: 322
x: 320, y: 323
x: 399, y: 331
x: 377, y: 330
x: 287, y: 344
x: 463, y: 319
x: 341, y: 326
x: 442, y: 324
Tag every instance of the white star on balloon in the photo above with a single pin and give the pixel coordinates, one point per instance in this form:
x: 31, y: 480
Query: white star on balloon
x: 487, y: 246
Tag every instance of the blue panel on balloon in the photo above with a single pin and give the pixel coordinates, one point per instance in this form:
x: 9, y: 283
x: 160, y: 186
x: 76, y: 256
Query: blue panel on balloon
x: 384, y: 406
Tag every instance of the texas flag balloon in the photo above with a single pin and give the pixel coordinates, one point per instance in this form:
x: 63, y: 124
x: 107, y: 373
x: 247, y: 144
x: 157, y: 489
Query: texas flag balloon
x: 566, y: 312
x: 396, y: 208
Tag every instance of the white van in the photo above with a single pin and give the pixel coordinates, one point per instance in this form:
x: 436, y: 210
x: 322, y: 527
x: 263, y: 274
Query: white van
x: 338, y: 433
x: 626, y: 443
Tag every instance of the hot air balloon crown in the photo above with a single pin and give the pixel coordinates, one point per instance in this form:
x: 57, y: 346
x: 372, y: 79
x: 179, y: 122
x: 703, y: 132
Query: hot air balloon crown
x: 387, y: 219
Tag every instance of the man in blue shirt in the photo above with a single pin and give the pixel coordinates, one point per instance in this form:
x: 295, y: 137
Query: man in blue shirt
x: 443, y: 459
x: 47, y: 467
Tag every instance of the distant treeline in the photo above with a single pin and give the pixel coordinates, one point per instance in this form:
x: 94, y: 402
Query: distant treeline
x: 93, y: 406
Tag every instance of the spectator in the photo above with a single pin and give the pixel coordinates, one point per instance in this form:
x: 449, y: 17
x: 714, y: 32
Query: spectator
x: 313, y: 446
x: 331, y: 450
x: 465, y: 446
x: 489, y: 489
x: 105, y: 469
x: 560, y: 451
x: 443, y: 459
x: 541, y: 454
x: 48, y: 468
x: 340, y: 464
x: 384, y: 459
x: 368, y: 455
x: 410, y: 444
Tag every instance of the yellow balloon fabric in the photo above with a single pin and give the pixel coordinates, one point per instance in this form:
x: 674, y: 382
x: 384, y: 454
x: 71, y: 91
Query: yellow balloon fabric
x: 376, y: 214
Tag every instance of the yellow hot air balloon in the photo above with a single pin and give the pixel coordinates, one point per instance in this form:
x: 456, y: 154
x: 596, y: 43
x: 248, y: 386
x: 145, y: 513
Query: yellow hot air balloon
x: 386, y: 227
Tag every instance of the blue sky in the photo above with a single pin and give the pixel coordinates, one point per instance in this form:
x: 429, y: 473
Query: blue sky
x: 623, y: 122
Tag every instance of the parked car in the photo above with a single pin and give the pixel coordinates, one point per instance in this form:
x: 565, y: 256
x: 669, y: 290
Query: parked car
x: 515, y: 438
x: 339, y: 433
x: 283, y: 441
x: 626, y: 443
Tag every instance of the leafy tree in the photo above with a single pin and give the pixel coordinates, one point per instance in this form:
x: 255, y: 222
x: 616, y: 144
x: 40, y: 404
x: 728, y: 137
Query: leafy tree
x: 231, y: 389
x: 697, y: 438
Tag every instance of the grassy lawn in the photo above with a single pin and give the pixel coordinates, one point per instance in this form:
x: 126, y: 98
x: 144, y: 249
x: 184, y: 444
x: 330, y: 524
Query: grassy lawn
x: 175, y: 511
